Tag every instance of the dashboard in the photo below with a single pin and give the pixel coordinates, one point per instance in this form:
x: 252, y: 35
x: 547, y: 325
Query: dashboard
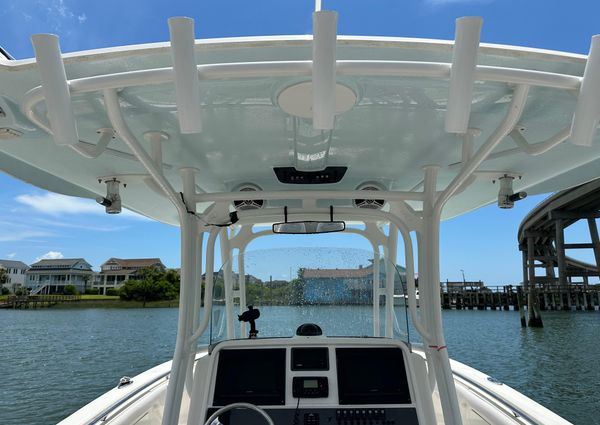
x: 313, y: 381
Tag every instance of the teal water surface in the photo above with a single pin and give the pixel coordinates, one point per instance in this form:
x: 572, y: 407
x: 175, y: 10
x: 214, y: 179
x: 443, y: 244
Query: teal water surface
x: 55, y: 361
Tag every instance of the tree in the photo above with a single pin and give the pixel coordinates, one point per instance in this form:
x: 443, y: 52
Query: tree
x: 3, y: 280
x: 154, y: 285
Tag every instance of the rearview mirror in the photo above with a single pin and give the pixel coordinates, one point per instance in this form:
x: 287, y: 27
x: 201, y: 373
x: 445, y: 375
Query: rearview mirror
x: 309, y: 227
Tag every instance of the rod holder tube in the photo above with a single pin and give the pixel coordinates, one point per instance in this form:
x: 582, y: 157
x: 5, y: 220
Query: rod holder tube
x: 462, y: 74
x: 587, y: 110
x: 187, y: 85
x: 55, y: 89
x: 324, y: 69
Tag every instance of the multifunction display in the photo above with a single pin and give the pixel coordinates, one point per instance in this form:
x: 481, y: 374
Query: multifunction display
x: 311, y: 358
x: 310, y: 387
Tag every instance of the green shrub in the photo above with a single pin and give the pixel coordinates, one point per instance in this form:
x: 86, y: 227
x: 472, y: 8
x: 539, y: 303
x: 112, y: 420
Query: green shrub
x: 112, y: 292
x: 5, y: 291
x: 69, y: 290
x: 92, y: 291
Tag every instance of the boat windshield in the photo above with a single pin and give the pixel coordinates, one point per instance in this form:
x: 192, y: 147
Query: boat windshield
x: 342, y: 290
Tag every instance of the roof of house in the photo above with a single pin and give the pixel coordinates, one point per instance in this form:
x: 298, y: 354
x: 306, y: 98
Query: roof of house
x: 134, y: 262
x: 118, y: 272
x: 70, y: 262
x: 12, y: 264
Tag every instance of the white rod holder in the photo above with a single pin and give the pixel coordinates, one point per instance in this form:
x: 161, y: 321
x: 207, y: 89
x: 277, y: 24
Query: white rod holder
x: 55, y: 89
x: 462, y: 73
x: 324, y: 69
x: 587, y: 110
x: 187, y: 86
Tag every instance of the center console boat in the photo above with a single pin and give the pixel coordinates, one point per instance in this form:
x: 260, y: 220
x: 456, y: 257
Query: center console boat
x: 236, y: 139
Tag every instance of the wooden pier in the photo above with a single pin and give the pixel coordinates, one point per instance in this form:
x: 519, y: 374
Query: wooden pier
x: 476, y: 296
x: 36, y: 301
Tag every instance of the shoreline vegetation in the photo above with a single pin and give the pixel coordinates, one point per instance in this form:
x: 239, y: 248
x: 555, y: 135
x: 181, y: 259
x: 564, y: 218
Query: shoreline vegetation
x: 109, y: 301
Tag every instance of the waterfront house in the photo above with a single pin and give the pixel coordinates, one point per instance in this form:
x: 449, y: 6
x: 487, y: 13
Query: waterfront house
x: 116, y: 271
x: 51, y: 276
x: 15, y: 274
x: 342, y: 286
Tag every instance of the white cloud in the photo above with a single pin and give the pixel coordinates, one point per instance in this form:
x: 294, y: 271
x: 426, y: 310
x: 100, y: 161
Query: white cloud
x: 56, y: 205
x: 13, y: 236
x: 96, y: 228
x: 51, y: 255
x: 81, y: 18
x: 11, y: 255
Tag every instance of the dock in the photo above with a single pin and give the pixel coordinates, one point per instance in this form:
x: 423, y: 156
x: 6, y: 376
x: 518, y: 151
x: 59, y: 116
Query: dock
x: 36, y: 301
x: 476, y: 296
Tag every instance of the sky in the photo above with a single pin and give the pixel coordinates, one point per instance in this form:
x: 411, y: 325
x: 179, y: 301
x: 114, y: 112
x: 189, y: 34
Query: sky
x: 36, y: 224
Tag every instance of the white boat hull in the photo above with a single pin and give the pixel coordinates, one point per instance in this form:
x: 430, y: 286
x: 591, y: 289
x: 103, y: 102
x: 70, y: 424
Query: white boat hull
x: 482, y: 400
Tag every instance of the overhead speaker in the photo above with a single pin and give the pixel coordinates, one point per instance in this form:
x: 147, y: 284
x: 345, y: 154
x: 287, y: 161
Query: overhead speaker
x: 248, y: 204
x: 374, y: 204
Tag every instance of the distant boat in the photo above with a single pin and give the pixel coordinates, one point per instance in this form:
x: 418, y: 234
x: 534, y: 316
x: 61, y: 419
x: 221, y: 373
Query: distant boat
x: 403, y: 299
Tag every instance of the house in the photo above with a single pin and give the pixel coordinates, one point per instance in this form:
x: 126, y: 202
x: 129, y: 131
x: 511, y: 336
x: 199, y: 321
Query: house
x: 15, y: 274
x: 343, y: 286
x: 116, y: 271
x: 51, y: 276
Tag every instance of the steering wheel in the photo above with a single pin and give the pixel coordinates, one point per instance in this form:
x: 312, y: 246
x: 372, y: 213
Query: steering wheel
x: 232, y: 406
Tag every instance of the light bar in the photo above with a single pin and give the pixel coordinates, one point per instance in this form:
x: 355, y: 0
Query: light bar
x: 55, y: 89
x: 587, y: 110
x: 323, y: 72
x: 187, y: 87
x: 464, y: 62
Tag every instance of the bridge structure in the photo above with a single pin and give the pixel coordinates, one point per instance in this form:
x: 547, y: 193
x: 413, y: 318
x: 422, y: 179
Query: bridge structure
x: 563, y: 280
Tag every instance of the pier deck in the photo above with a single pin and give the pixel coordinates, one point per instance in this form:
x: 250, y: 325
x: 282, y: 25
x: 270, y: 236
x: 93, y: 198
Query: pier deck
x: 36, y: 301
x: 549, y: 297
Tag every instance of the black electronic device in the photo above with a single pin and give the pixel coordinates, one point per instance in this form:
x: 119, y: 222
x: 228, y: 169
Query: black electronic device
x: 372, y: 376
x: 254, y: 376
x: 250, y: 316
x: 310, y: 387
x: 322, y: 416
x: 310, y: 358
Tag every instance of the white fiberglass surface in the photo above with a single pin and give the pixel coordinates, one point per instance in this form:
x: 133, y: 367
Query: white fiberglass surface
x: 395, y: 128
x: 330, y: 287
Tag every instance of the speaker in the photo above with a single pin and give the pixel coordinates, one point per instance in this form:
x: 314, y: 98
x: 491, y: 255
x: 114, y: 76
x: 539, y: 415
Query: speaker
x: 247, y: 204
x: 374, y: 204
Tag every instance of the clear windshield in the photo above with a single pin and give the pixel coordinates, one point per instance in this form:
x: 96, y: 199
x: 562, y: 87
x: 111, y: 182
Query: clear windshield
x: 342, y: 290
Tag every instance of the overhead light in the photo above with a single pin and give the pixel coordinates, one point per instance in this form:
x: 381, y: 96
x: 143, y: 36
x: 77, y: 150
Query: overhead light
x: 112, y: 200
x: 506, y: 196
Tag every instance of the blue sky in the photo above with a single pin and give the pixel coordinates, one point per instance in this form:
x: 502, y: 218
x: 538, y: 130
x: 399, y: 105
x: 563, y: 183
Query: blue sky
x: 36, y: 224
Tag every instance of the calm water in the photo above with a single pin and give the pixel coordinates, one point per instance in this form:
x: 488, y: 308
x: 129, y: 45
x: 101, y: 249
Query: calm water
x: 54, y: 361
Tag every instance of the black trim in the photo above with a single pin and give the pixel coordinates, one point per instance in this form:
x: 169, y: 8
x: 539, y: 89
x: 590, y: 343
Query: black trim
x: 6, y: 55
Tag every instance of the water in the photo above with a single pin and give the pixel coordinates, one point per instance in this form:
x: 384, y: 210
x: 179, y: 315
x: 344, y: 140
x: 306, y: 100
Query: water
x: 54, y: 361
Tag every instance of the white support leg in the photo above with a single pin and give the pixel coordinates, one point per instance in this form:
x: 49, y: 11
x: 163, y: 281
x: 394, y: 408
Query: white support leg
x: 228, y: 282
x: 376, y: 261
x: 181, y: 358
x: 390, y: 257
x: 242, y: 286
x: 430, y: 294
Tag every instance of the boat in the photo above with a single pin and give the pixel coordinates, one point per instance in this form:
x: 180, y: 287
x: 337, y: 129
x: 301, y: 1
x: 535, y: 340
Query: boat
x: 240, y: 138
